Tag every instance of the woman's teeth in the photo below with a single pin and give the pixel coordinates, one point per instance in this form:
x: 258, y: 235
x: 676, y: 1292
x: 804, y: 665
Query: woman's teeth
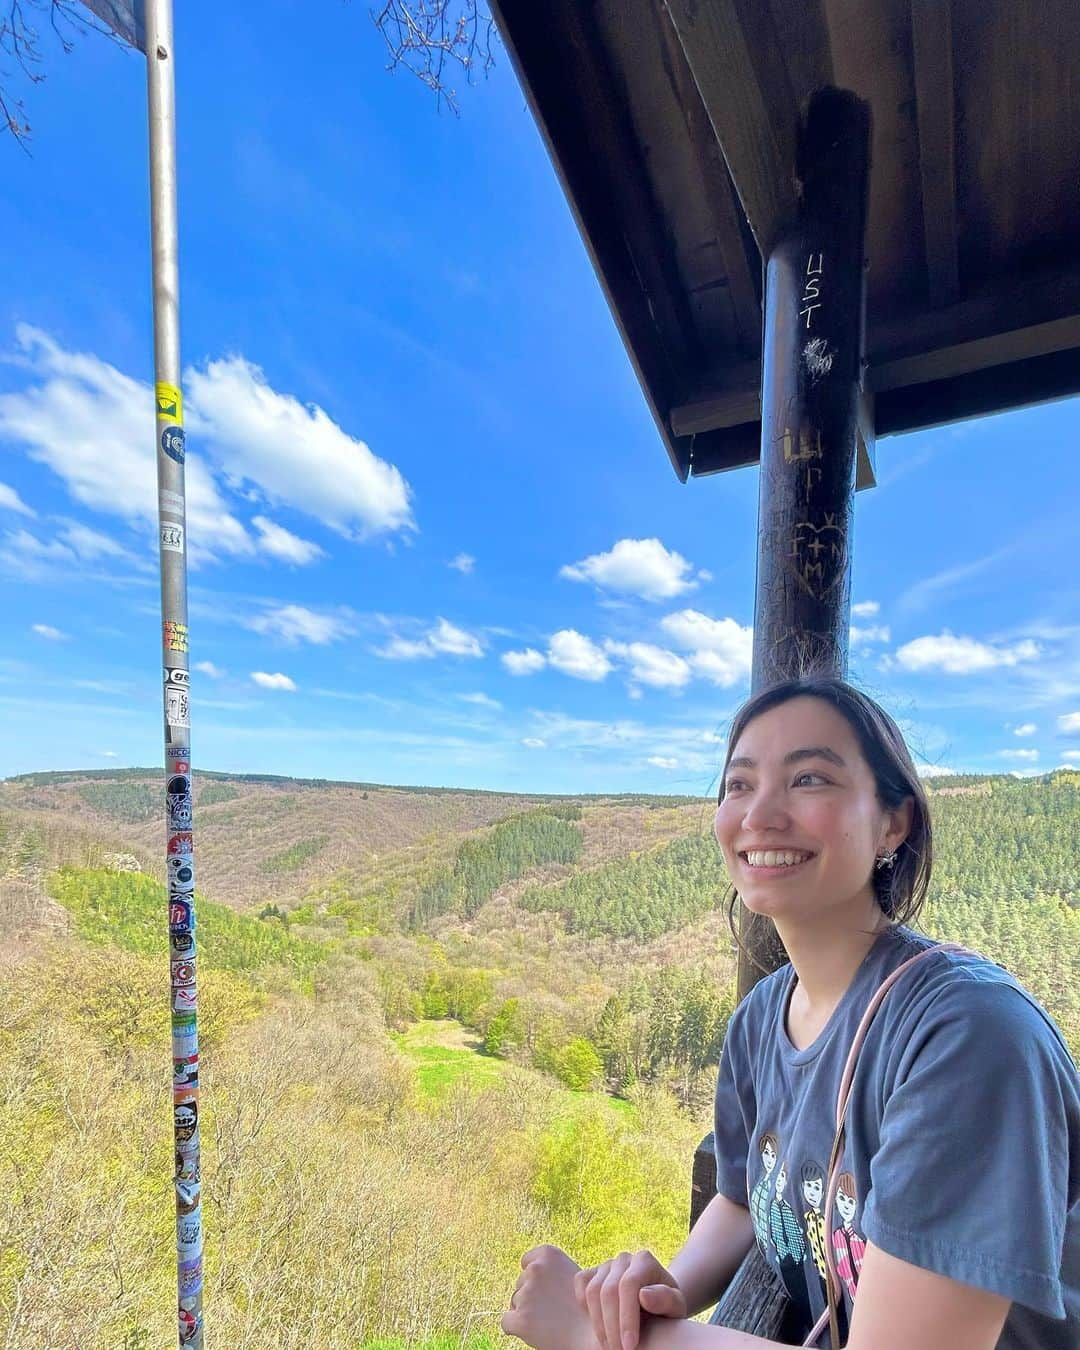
x: 776, y: 857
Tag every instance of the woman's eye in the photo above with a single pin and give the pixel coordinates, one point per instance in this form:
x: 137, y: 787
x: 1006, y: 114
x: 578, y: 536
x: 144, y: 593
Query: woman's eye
x: 733, y: 785
x: 804, y: 776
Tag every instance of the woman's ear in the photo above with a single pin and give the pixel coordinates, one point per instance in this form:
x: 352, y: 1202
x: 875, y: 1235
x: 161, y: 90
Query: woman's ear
x: 899, y: 820
x: 716, y: 825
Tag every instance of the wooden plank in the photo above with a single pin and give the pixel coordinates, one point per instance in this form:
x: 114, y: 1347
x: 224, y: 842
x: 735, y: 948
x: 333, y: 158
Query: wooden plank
x: 932, y: 53
x: 717, y: 189
x: 759, y: 151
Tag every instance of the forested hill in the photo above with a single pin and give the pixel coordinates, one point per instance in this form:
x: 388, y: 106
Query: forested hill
x: 437, y: 1028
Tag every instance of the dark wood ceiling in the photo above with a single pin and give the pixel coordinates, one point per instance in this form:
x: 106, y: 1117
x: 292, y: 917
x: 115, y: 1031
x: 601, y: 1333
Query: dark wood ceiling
x: 672, y: 124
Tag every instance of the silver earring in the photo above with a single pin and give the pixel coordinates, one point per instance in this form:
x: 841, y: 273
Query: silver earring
x: 885, y: 860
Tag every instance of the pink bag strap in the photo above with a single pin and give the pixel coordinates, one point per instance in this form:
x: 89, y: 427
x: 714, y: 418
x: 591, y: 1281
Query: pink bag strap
x: 829, y: 1316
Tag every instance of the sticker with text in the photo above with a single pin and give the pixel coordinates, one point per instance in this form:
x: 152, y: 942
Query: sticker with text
x: 172, y: 537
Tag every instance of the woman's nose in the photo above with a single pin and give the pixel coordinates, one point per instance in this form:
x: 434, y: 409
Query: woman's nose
x: 764, y: 810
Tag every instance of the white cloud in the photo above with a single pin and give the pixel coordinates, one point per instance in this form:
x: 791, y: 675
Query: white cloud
x: 525, y: 662
x: 482, y: 701
x: 46, y: 630
x: 534, y: 743
x: 1028, y: 729
x: 90, y: 544
x: 94, y: 427
x: 720, y: 649
x: 577, y: 656
x: 654, y: 666
x: 463, y: 563
x: 108, y: 754
x: 1069, y: 723
x: 873, y: 633
x: 662, y: 762
x: 865, y: 609
x: 1071, y: 754
x: 933, y: 770
x: 282, y: 543
x: 642, y: 567
x: 208, y: 668
x: 444, y: 638
x: 961, y: 655
x: 294, y: 623
x: 1019, y: 754
x: 11, y: 501
x: 277, y: 681
x: 294, y: 453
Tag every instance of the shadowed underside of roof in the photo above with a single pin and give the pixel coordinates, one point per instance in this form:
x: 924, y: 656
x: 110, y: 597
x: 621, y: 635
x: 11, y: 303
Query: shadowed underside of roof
x: 673, y: 125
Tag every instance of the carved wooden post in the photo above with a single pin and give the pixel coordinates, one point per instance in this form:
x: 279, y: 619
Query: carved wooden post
x: 812, y: 363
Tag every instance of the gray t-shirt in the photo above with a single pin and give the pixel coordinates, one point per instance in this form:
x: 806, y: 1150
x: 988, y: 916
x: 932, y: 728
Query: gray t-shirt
x: 963, y: 1138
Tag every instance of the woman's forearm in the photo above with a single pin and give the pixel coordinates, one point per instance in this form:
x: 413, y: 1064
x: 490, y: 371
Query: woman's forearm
x: 661, y: 1334
x: 707, y: 1261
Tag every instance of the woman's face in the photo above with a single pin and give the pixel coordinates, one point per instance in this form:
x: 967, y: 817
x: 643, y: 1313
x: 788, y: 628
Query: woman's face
x: 800, y: 823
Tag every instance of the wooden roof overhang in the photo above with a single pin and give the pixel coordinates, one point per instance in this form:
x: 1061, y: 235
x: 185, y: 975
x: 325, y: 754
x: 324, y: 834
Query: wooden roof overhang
x: 673, y: 123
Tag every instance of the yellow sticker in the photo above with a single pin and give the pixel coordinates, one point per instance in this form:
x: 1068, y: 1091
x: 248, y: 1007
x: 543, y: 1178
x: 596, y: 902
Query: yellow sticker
x: 175, y: 636
x: 170, y: 402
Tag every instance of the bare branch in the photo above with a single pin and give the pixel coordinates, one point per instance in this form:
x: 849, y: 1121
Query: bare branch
x: 428, y: 36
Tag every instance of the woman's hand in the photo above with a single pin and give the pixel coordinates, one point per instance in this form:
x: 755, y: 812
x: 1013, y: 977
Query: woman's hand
x: 543, y: 1310
x: 614, y: 1294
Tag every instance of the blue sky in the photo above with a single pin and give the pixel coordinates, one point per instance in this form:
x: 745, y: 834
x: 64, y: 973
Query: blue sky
x: 435, y: 537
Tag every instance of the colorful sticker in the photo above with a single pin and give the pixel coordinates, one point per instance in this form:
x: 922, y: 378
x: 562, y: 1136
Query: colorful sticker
x: 172, y: 442
x: 170, y: 401
x: 181, y: 916
x: 190, y: 1282
x: 181, y: 973
x: 187, y: 1163
x: 182, y: 944
x: 186, y: 1121
x: 184, y: 1000
x: 188, y: 1194
x: 172, y: 538
x: 189, y: 1232
x: 179, y: 843
x: 174, y: 636
x: 181, y: 871
x: 185, y: 1071
x: 176, y: 707
x: 189, y: 1320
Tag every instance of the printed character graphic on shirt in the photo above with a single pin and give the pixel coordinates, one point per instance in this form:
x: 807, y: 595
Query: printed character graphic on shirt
x: 849, y: 1245
x: 789, y: 1244
x: 812, y: 1175
x: 768, y: 1147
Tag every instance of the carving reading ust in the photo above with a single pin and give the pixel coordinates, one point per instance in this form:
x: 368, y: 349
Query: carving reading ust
x: 815, y: 265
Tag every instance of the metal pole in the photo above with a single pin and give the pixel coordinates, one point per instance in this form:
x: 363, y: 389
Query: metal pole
x: 812, y: 363
x: 179, y: 862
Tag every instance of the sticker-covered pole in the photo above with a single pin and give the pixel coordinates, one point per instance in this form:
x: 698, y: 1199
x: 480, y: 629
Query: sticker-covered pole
x: 179, y: 864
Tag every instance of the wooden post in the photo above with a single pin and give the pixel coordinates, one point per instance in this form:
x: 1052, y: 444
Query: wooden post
x: 812, y: 363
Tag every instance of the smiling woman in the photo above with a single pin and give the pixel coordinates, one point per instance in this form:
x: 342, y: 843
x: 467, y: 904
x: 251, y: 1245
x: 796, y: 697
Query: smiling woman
x: 913, y: 1223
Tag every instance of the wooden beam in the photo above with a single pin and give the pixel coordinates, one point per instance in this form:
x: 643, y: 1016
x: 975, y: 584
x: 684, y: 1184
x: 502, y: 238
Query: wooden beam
x: 931, y: 41
x: 759, y: 152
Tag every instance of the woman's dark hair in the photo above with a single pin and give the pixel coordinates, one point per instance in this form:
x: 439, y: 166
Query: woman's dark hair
x: 900, y: 889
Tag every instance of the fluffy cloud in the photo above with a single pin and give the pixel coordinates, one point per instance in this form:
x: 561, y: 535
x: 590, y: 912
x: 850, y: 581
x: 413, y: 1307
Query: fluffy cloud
x: 578, y: 656
x: 294, y: 623
x: 208, y: 668
x: 933, y: 770
x: 872, y: 633
x: 654, y: 666
x: 1069, y: 723
x: 294, y: 453
x: 463, y: 563
x: 962, y: 655
x: 720, y: 649
x: 482, y: 701
x: 534, y: 743
x: 1028, y: 729
x: 444, y: 639
x: 1072, y: 754
x: 11, y: 501
x: 662, y: 762
x: 526, y: 662
x: 94, y: 427
x: 1019, y: 754
x: 642, y: 567
x: 46, y: 630
x: 277, y: 681
x: 865, y: 609
x: 283, y: 544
